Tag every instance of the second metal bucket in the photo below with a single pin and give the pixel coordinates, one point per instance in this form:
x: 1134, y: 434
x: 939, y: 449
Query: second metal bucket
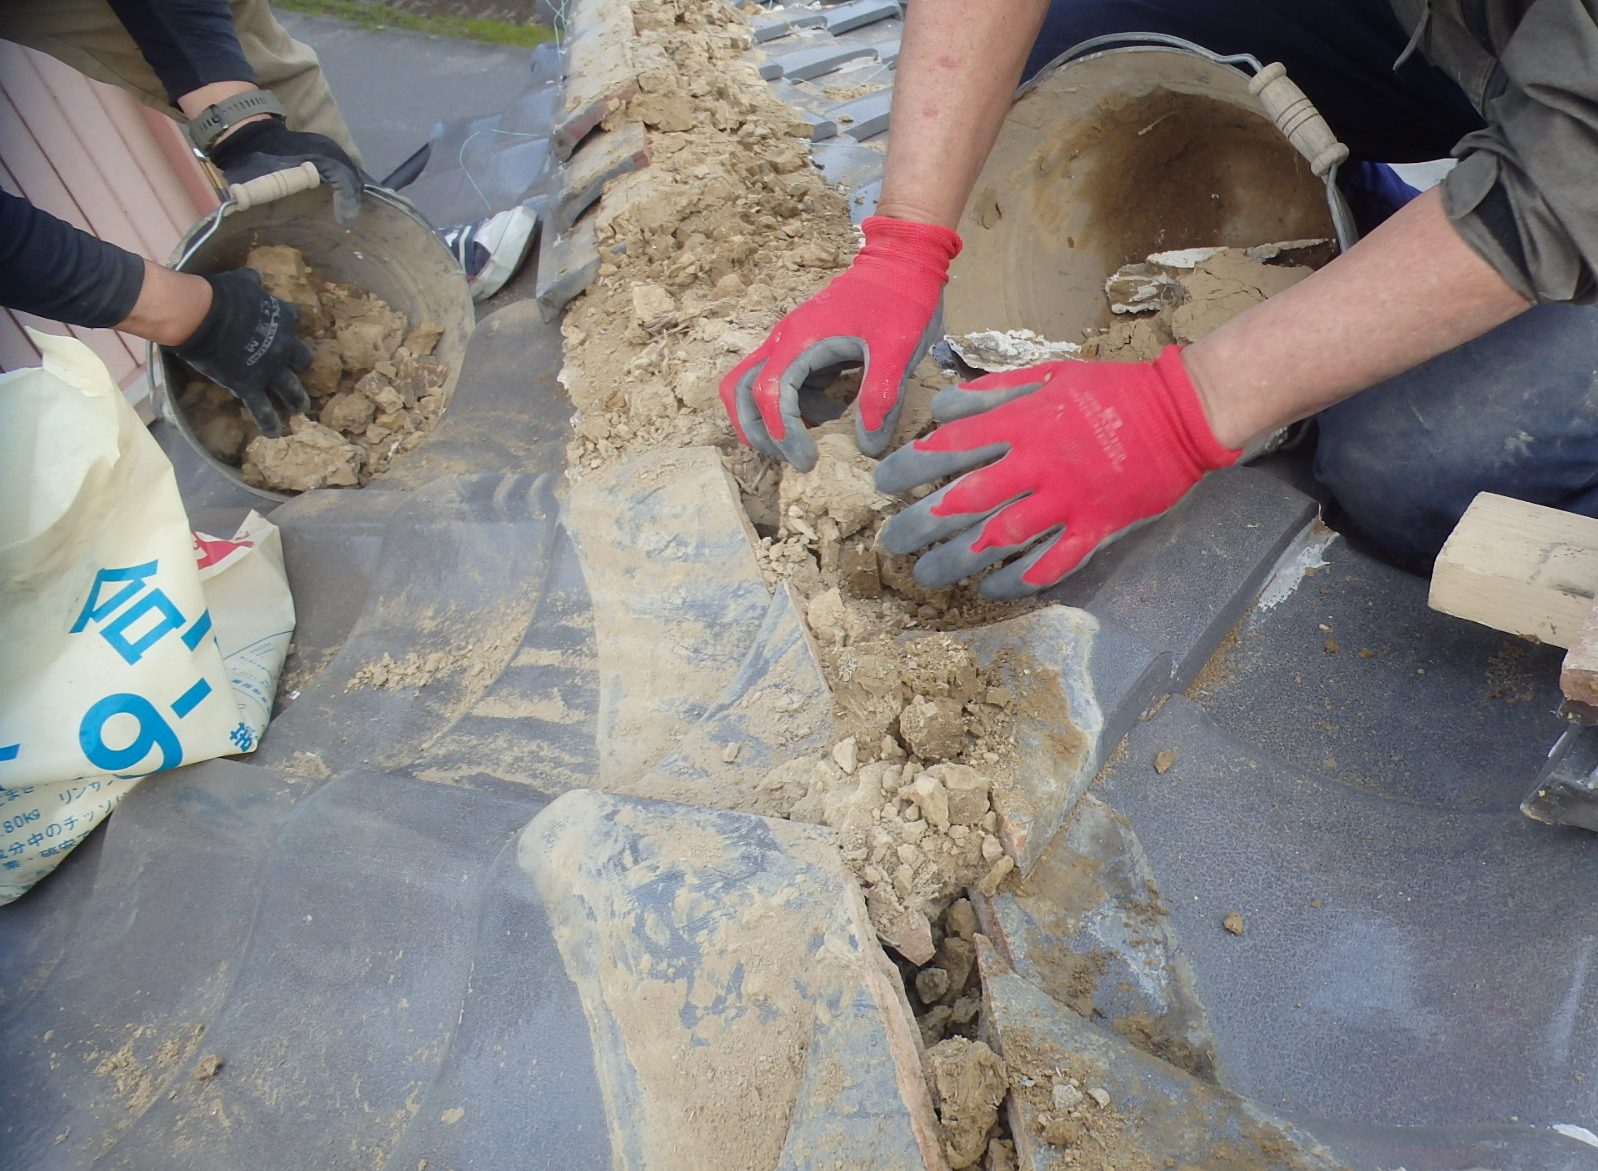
x: 1122, y: 148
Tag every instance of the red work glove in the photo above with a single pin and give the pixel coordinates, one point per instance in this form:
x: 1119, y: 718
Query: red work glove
x: 1073, y: 454
x: 882, y: 310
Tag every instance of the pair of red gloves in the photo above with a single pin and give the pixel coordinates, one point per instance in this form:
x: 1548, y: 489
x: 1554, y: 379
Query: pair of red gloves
x: 1050, y: 463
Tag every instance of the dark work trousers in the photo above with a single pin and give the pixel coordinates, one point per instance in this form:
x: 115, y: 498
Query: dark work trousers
x: 1516, y: 410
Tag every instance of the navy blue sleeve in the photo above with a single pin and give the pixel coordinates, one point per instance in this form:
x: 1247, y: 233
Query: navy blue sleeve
x: 189, y: 43
x: 50, y: 268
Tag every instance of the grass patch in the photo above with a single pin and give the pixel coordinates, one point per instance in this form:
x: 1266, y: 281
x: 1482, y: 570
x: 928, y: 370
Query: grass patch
x: 373, y: 14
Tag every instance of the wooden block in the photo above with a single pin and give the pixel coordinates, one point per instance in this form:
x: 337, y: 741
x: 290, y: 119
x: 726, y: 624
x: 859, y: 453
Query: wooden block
x: 1521, y: 568
x: 1578, y: 676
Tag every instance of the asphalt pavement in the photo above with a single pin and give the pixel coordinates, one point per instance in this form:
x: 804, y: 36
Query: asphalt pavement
x: 393, y: 85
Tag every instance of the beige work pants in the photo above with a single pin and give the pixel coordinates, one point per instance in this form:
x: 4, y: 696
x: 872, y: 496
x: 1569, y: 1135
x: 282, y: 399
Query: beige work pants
x: 87, y: 35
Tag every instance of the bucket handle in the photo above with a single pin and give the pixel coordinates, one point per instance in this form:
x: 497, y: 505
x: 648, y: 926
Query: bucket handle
x: 1297, y: 118
x: 277, y: 185
x: 254, y: 192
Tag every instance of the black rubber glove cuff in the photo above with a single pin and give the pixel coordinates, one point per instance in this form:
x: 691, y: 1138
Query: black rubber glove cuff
x: 259, y: 148
x: 246, y: 344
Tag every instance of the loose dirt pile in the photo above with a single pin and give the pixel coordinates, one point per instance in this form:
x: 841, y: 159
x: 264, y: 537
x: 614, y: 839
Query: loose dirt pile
x: 1171, y: 298
x: 376, y: 390
x: 1069, y: 1110
x: 915, y: 835
x: 1180, y: 297
x: 726, y: 229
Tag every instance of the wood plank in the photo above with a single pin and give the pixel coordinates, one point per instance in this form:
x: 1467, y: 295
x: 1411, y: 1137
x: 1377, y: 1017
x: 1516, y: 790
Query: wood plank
x: 35, y: 176
x: 170, y: 204
x: 199, y: 192
x: 1521, y: 568
x: 127, y: 118
x: 1578, y: 676
x: 63, y: 112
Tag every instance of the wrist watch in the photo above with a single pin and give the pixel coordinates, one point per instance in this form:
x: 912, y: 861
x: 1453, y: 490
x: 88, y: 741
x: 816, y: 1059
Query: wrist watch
x: 214, y: 121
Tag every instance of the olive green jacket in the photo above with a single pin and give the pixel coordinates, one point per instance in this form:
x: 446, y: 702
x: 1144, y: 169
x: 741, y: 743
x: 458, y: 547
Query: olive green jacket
x: 1525, y: 192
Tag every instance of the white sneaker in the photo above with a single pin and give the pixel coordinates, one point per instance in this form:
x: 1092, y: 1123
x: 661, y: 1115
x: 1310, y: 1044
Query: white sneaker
x: 493, y: 248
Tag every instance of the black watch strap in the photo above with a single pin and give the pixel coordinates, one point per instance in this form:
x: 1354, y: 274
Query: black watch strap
x: 212, y: 122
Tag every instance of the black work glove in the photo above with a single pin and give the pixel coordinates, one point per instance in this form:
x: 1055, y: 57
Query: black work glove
x: 259, y: 148
x: 246, y: 344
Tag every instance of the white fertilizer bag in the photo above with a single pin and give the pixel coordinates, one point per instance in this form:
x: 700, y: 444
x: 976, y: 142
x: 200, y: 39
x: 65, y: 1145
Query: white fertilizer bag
x: 128, y: 644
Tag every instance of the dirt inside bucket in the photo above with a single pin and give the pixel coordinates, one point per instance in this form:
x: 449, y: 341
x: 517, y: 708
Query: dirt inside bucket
x: 376, y: 389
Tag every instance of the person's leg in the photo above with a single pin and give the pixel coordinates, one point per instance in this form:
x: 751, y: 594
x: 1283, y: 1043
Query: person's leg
x: 291, y: 71
x: 1513, y: 412
x: 1340, y: 52
x: 87, y: 35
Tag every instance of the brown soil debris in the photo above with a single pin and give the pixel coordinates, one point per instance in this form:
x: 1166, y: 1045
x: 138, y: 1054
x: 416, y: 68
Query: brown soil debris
x: 309, y: 456
x: 376, y: 390
x: 1073, y: 978
x: 473, y: 664
x: 898, y: 831
x: 1180, y: 297
x: 947, y: 989
x: 1233, y: 922
x: 1154, y: 1035
x: 726, y: 229
x: 910, y: 787
x: 412, y: 670
x: 1163, y: 760
x: 137, y: 1078
x: 208, y: 1067
x: 968, y: 1083
x: 1069, y: 1109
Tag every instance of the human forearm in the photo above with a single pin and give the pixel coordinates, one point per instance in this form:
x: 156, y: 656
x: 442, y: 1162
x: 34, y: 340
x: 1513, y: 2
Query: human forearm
x: 54, y: 270
x: 1409, y: 291
x: 170, y: 307
x: 57, y: 271
x: 957, y: 73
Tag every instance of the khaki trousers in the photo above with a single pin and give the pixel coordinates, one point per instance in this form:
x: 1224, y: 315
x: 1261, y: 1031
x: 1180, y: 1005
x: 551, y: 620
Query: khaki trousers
x: 87, y: 35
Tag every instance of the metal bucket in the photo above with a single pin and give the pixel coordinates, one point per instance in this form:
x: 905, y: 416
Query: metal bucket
x: 391, y: 251
x: 1126, y: 146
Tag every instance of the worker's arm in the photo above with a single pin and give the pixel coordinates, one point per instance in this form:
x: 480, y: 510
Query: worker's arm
x: 194, y: 50
x: 958, y: 67
x: 190, y: 44
x: 1053, y: 462
x: 957, y: 72
x: 226, y: 326
x: 50, y: 268
x: 1409, y: 291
